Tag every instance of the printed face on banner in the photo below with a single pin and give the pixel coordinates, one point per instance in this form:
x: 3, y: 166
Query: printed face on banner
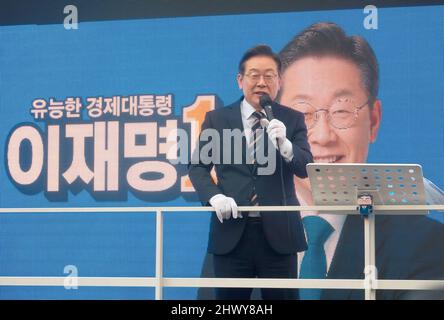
x: 260, y: 77
x: 321, y: 83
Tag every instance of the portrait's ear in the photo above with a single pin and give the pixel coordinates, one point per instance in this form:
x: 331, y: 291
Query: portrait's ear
x: 375, y: 118
x: 239, y: 80
x: 279, y: 83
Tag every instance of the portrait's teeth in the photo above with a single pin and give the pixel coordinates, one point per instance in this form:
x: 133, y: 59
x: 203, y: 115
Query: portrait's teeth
x: 326, y: 159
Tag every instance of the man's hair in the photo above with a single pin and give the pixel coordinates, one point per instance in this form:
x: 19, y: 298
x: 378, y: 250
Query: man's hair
x: 328, y: 39
x: 256, y: 51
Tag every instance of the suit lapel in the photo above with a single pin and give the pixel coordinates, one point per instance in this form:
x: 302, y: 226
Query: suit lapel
x: 235, y: 117
x: 234, y: 121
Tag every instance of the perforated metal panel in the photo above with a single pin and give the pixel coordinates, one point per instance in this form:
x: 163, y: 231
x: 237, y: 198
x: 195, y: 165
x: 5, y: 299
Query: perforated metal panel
x: 389, y: 184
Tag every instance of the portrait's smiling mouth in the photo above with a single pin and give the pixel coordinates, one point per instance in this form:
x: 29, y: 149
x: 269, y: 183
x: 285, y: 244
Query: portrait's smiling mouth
x: 327, y: 159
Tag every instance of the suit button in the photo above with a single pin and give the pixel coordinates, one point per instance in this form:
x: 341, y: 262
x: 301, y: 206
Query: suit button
x: 254, y: 177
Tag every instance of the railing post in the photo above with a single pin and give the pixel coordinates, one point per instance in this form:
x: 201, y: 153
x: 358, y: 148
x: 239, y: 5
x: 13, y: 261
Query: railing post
x: 159, y: 255
x: 370, y: 270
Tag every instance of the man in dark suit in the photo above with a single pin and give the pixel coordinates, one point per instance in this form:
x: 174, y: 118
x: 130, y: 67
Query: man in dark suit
x: 253, y: 244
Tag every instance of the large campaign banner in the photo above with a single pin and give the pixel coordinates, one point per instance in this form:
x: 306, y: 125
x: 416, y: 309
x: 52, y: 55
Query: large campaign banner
x: 92, y: 116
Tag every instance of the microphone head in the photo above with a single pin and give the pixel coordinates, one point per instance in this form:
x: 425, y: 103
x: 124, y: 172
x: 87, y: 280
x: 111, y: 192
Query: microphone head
x: 265, y: 100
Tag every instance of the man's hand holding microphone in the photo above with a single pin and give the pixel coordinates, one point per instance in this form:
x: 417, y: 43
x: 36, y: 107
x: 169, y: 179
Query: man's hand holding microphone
x: 276, y: 129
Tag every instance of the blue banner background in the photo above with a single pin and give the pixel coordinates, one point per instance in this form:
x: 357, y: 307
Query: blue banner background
x: 185, y: 57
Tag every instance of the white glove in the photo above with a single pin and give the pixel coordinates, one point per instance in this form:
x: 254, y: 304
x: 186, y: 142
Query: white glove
x: 225, y: 207
x: 277, y: 132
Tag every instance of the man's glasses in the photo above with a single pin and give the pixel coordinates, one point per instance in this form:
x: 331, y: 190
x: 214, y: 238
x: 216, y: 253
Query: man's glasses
x: 341, y: 114
x: 255, y: 77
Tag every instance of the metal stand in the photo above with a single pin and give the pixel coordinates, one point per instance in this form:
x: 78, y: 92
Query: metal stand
x: 367, y: 185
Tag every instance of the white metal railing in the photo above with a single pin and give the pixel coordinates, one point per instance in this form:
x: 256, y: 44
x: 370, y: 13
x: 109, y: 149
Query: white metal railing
x: 370, y: 284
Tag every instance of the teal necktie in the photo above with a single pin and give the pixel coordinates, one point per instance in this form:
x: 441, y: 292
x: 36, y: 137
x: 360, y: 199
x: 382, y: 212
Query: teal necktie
x: 314, y: 262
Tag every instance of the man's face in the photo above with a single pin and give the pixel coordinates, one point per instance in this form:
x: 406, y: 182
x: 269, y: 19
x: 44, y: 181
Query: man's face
x: 322, y: 81
x: 260, y: 77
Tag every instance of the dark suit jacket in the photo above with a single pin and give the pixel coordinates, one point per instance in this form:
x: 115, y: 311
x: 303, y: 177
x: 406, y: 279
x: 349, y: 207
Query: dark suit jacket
x: 407, y: 248
x: 283, y: 230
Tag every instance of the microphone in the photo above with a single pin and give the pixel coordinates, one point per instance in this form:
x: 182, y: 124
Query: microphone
x: 265, y: 102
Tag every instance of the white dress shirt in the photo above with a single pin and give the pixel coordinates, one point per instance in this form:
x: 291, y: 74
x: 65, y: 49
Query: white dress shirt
x: 247, y: 111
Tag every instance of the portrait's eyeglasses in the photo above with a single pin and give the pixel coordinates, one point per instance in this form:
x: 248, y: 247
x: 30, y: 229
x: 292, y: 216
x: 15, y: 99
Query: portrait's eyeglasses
x: 341, y: 114
x: 255, y: 77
